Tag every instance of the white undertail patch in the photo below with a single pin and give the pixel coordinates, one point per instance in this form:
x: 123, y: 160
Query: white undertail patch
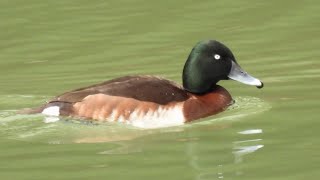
x: 51, y: 111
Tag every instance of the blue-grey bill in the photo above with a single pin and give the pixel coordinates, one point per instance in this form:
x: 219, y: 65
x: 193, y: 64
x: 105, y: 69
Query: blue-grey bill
x: 240, y: 75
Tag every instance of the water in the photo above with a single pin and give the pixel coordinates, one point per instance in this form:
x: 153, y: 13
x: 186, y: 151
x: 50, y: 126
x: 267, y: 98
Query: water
x: 50, y: 47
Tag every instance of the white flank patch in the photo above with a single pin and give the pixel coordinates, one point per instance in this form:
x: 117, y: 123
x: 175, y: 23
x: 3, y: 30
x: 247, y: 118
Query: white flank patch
x: 158, y: 119
x: 51, y: 111
x: 112, y: 116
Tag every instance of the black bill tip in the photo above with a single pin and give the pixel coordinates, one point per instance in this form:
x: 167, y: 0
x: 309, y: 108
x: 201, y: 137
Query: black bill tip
x: 261, y: 86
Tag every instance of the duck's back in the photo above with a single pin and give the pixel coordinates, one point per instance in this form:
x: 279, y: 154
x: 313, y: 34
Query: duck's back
x: 142, y: 88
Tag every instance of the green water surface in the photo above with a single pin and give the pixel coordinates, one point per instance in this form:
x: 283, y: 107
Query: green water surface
x: 48, y: 47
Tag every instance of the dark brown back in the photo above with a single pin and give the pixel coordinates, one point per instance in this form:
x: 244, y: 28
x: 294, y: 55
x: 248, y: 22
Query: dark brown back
x: 143, y: 88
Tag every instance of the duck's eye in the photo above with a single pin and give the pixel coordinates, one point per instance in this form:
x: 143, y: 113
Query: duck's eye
x: 217, y: 56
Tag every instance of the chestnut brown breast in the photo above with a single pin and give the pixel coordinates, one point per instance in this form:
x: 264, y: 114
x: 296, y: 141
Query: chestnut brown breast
x: 200, y: 106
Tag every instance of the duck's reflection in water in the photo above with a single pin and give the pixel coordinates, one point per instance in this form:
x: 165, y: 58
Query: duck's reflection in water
x: 223, y: 158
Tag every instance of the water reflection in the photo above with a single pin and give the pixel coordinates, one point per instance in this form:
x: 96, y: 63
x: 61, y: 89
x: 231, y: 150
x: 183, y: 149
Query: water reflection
x: 251, y: 131
x: 123, y: 148
x: 225, y: 157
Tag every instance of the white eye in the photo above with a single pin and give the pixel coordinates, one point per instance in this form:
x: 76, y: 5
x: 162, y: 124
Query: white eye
x: 217, y: 56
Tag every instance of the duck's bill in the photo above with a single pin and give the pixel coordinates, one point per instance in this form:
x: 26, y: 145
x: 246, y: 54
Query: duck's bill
x: 240, y: 75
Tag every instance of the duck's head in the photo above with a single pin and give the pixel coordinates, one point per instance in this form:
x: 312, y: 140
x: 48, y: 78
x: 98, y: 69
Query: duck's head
x: 209, y: 62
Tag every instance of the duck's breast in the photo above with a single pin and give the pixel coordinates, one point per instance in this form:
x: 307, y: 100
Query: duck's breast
x: 200, y: 106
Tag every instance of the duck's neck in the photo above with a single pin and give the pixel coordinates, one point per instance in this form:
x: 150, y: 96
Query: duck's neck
x: 195, y: 83
x: 196, y: 86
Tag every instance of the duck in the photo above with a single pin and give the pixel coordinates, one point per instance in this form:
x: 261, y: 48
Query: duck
x: 146, y: 101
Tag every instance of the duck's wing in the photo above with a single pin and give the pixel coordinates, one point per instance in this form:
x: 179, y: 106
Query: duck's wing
x: 143, y: 88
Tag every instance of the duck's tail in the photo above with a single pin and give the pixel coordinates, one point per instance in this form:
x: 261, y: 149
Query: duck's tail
x: 31, y: 110
x: 54, y: 108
